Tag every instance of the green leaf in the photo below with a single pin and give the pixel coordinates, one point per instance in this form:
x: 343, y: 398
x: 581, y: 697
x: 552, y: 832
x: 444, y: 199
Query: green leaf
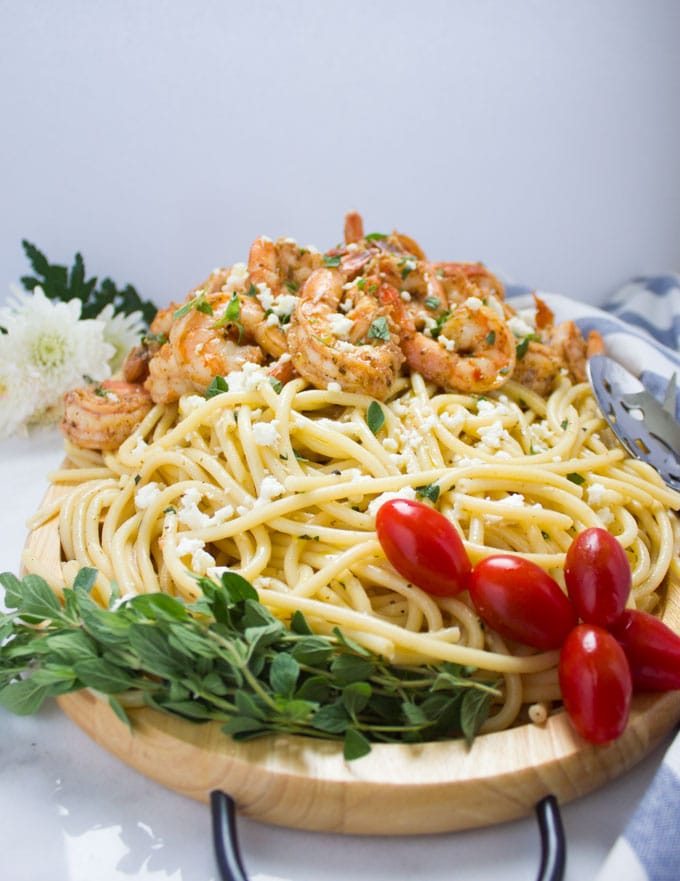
x: 218, y: 386
x: 12, y: 586
x: 276, y: 384
x: 159, y: 607
x: 576, y: 478
x: 70, y: 646
x: 283, y: 674
x: 474, y: 712
x: 379, y: 329
x: 190, y: 642
x: 355, y: 745
x: 351, y: 668
x: 119, y: 710
x: 151, y: 646
x: 414, y: 714
x: 103, y: 676
x: 315, y: 689
x: 38, y: 599
x: 298, y: 624
x: 313, y: 651
x: 375, y: 417
x: 428, y: 491
x: 298, y: 711
x: 375, y: 237
x: 238, y: 588
x: 356, y: 697
x: 23, y: 697
x: 331, y: 718
x: 433, y: 302
x: 60, y: 283
x: 190, y: 709
x: 243, y: 727
x: 332, y: 260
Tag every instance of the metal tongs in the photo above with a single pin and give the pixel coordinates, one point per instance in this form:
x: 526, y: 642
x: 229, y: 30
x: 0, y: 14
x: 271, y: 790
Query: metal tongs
x: 646, y: 427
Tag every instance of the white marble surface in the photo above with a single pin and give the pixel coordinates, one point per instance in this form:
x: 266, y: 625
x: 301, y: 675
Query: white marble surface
x: 71, y: 812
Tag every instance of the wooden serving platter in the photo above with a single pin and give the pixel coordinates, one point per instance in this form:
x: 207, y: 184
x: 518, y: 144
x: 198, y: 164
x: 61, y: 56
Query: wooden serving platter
x: 397, y: 789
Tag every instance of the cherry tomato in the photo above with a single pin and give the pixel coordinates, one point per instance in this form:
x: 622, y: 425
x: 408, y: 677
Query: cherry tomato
x: 423, y: 546
x: 596, y: 683
x: 521, y: 601
x: 598, y: 577
x: 652, y: 649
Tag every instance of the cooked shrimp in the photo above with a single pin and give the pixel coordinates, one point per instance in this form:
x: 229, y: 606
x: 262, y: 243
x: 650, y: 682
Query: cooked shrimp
x: 556, y: 348
x: 101, y: 417
x: 359, y: 350
x: 537, y: 367
x: 573, y: 350
x: 354, y: 227
x: 473, y: 352
x: 277, y: 270
x: 203, y: 342
x: 463, y: 280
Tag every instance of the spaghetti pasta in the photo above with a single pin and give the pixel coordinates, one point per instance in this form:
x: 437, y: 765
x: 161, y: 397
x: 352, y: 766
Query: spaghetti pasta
x: 282, y: 485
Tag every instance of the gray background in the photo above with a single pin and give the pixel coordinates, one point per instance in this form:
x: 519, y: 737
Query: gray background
x: 159, y: 138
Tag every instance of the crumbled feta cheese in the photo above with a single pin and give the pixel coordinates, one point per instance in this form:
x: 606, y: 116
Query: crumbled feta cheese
x: 515, y: 500
x: 390, y: 444
x: 405, y: 296
x: 238, y: 276
x: 201, y: 560
x: 340, y: 325
x: 266, y: 434
x: 493, y: 435
x: 187, y: 403
x: 408, y: 492
x: 449, y: 345
x: 334, y: 387
x: 474, y: 304
x: 270, y: 488
x: 264, y: 295
x: 146, y: 495
x: 519, y: 327
x: 189, y: 514
x: 496, y: 305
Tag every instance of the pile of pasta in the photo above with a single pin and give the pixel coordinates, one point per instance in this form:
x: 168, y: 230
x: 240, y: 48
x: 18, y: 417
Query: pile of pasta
x: 282, y: 485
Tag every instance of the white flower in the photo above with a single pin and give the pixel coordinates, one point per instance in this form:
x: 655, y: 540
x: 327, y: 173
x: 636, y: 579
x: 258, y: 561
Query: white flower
x: 15, y: 399
x: 123, y: 332
x: 51, y: 351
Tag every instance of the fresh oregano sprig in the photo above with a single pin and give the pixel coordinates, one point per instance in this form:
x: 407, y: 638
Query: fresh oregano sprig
x: 225, y: 658
x: 64, y: 283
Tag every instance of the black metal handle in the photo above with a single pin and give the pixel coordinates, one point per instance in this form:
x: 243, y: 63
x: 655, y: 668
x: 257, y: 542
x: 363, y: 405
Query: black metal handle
x: 230, y: 865
x: 553, y: 841
x: 225, y: 839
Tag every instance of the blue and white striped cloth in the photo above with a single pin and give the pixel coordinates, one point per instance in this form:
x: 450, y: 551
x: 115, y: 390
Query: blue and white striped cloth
x: 641, y: 325
x: 649, y: 848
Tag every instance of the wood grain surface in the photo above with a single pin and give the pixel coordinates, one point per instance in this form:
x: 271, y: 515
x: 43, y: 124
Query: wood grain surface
x: 397, y: 789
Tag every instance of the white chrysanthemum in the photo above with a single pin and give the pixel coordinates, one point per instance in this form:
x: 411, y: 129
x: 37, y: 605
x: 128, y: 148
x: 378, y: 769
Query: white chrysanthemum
x: 53, y: 349
x: 123, y: 332
x: 15, y: 398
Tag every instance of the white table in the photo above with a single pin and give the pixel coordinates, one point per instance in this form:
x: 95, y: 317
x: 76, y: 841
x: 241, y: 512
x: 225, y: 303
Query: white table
x: 69, y: 811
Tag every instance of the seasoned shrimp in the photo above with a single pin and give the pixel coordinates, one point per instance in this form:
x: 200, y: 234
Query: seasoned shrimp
x: 101, y: 417
x: 276, y: 271
x: 573, y: 350
x: 204, y: 341
x: 359, y: 349
x: 473, y: 352
x: 462, y: 280
x: 554, y: 348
